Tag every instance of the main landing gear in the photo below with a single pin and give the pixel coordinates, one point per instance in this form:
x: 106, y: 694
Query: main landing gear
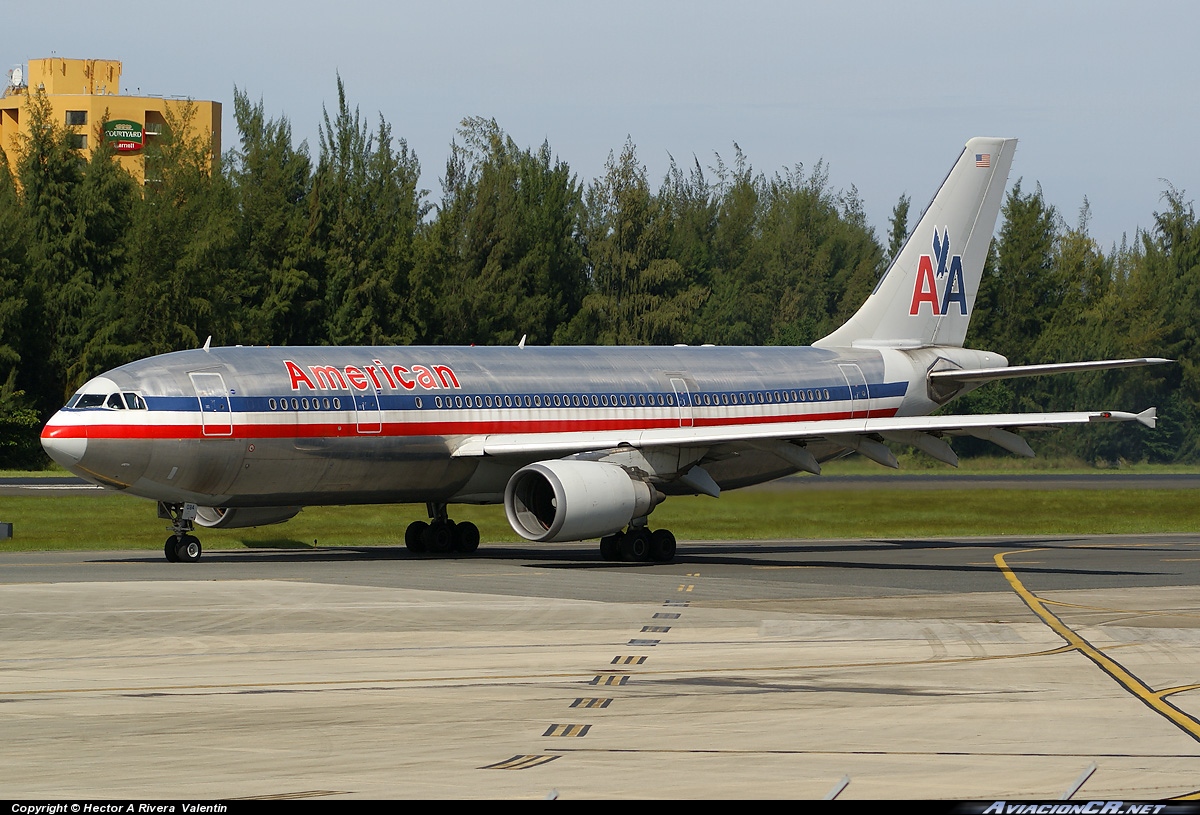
x: 441, y: 536
x: 182, y: 546
x: 639, y: 544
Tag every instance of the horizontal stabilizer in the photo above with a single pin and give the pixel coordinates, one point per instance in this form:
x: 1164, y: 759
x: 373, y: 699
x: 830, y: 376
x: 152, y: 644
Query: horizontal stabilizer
x: 1017, y: 371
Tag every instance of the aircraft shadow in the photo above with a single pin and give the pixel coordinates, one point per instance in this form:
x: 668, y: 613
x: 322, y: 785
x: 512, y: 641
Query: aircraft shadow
x: 284, y: 551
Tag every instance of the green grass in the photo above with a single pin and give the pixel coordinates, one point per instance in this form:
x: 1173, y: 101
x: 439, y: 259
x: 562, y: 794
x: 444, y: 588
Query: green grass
x: 106, y: 521
x: 911, y: 462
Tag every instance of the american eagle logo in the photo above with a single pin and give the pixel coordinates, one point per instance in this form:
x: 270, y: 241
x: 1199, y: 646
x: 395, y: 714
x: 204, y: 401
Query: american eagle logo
x: 949, y: 273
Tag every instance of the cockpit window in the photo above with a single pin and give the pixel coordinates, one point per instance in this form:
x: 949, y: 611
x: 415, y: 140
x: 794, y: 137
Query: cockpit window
x: 112, y: 401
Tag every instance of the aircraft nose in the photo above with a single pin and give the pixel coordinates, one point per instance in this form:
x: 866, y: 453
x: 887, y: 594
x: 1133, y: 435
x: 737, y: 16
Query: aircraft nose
x: 64, y: 443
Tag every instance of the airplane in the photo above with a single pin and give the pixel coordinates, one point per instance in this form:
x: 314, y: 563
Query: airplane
x: 576, y: 442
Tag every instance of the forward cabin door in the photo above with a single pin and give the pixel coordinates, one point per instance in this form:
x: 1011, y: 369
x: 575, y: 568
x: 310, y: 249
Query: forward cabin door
x: 216, y: 417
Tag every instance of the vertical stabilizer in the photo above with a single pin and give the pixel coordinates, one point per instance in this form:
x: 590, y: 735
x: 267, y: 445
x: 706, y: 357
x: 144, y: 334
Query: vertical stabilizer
x: 927, y: 294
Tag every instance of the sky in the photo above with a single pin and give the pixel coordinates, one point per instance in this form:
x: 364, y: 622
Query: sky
x: 1104, y: 96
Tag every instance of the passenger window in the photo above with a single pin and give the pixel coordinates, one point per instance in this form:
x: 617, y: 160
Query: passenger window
x: 272, y: 403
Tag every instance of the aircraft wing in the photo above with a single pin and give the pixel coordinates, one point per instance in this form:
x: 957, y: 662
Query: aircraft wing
x: 920, y: 431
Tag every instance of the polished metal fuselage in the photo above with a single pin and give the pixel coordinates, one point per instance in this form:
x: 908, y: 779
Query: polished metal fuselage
x: 307, y: 426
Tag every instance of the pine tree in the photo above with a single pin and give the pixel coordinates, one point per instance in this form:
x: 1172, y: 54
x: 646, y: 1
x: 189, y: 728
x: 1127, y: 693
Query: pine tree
x: 368, y: 209
x: 272, y: 181
x: 57, y: 283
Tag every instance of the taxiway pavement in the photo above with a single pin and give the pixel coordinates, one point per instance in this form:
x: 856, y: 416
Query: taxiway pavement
x: 961, y: 669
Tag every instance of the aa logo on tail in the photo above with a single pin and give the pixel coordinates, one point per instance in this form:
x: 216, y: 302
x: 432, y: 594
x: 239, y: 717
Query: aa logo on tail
x: 925, y: 288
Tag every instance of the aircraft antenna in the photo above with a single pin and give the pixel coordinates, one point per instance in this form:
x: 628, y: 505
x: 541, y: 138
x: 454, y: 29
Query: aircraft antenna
x: 521, y: 344
x: 207, y: 343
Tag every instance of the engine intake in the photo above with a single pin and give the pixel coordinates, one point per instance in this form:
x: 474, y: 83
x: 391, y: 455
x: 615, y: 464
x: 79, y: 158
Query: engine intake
x: 552, y: 501
x: 239, y: 517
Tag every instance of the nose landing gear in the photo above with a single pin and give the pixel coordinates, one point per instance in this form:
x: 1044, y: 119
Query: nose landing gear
x: 184, y: 549
x: 182, y: 546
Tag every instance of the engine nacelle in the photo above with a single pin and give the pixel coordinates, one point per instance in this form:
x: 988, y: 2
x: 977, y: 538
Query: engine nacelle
x: 552, y: 501
x: 239, y: 517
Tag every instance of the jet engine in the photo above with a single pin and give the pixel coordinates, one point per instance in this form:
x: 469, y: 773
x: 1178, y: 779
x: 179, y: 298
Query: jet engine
x: 552, y: 501
x: 239, y: 517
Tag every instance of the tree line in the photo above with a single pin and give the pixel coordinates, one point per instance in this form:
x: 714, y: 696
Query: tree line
x: 269, y: 245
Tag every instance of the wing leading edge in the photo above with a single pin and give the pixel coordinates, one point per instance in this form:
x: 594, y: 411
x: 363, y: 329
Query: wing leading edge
x: 916, y: 430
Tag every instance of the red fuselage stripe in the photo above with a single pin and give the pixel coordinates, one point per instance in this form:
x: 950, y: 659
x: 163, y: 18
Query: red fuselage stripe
x: 431, y: 428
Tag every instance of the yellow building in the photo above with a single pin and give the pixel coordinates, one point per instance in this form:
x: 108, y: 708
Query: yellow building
x: 84, y: 93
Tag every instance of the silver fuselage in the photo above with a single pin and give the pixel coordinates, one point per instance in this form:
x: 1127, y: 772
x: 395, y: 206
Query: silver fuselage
x: 244, y: 427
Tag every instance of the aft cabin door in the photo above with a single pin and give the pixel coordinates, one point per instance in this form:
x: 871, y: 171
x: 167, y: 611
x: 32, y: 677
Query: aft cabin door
x: 860, y: 402
x: 216, y: 418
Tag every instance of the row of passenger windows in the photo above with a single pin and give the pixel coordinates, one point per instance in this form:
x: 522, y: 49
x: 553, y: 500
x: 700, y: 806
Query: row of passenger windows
x: 579, y: 400
x: 304, y: 403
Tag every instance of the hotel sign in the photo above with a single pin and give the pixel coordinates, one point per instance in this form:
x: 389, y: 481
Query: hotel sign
x: 125, y: 136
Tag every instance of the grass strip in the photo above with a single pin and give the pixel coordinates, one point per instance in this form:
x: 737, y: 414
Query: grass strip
x: 108, y: 521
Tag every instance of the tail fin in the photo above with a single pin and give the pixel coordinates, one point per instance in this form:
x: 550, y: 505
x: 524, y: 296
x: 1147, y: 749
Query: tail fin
x: 926, y: 296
